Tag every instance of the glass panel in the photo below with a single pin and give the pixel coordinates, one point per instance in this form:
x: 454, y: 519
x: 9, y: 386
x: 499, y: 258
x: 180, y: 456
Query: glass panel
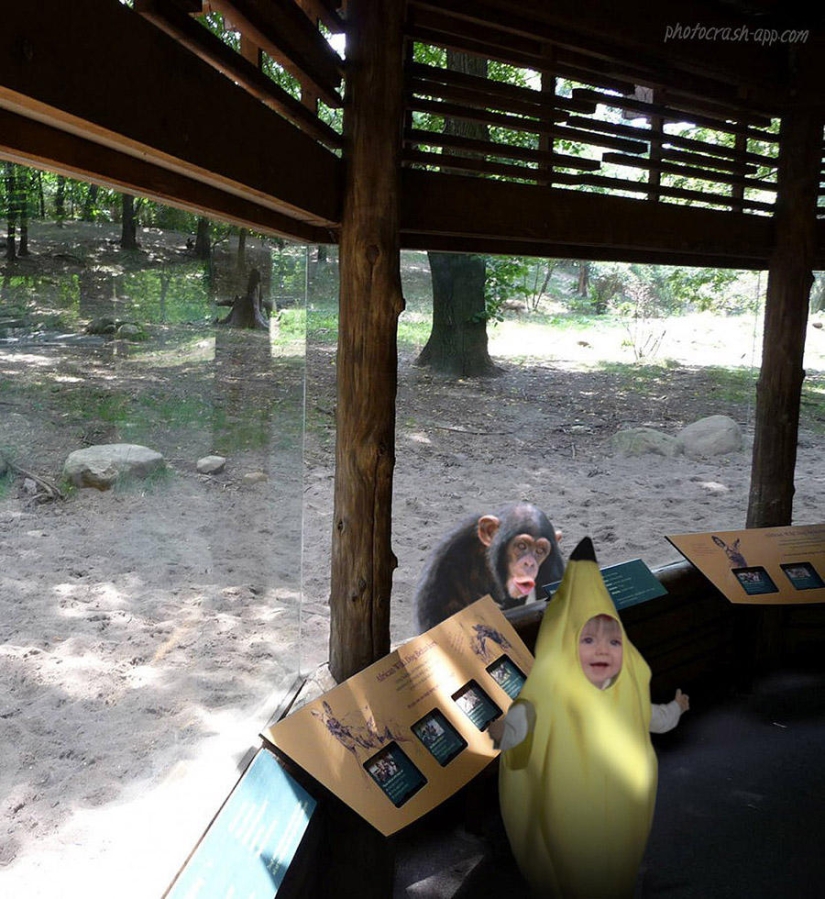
x: 151, y: 624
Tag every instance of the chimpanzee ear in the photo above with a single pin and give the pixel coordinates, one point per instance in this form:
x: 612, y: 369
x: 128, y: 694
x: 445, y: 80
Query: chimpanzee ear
x: 558, y: 535
x: 488, y: 526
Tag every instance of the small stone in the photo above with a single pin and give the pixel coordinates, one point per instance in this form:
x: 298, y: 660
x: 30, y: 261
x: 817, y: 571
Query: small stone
x: 639, y: 441
x: 255, y: 477
x: 211, y: 464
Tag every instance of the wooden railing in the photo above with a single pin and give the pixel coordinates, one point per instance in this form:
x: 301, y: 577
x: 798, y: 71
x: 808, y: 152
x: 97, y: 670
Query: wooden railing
x: 593, y: 118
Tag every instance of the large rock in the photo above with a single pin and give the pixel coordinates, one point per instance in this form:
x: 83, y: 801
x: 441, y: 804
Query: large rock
x: 710, y: 436
x: 639, y: 441
x: 102, y: 466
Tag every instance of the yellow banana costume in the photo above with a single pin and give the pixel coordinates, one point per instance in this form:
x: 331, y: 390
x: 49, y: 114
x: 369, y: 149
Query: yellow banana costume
x: 577, y: 794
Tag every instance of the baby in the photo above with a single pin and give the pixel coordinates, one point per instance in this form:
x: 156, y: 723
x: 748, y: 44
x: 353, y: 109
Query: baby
x: 601, y: 648
x: 578, y: 773
x: 600, y: 653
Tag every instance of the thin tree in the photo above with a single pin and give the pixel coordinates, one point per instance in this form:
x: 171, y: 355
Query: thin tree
x: 128, y: 231
x: 11, y: 213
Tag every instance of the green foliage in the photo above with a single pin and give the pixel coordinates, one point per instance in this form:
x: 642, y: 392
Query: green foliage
x: 289, y: 271
x: 608, y: 284
x: 166, y: 295
x: 505, y: 279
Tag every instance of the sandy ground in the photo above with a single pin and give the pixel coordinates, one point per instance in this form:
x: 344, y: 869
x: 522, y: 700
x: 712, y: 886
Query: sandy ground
x: 148, y: 634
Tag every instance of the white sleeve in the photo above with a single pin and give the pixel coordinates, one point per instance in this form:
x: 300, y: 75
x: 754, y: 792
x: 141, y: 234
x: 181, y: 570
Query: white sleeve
x: 518, y: 722
x: 664, y: 717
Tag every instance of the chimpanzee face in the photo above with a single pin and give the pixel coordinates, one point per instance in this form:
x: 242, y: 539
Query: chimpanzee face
x: 525, y: 555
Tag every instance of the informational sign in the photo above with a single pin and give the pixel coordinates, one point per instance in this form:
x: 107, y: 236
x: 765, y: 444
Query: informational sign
x: 400, y: 737
x: 628, y: 583
x: 253, y: 839
x: 765, y: 566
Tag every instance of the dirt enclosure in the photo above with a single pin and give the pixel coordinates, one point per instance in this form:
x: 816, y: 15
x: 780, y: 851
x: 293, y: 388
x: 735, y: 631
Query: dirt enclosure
x: 148, y: 632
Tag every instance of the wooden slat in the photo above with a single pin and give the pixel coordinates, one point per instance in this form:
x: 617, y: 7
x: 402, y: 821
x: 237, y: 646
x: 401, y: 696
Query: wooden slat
x: 448, y: 163
x: 605, y: 182
x: 288, y: 36
x: 166, y: 15
x: 713, y: 162
x: 491, y: 99
x: 474, y: 114
x: 489, y: 93
x: 604, y: 74
x: 674, y: 140
x: 145, y: 97
x: 522, y: 124
x: 673, y: 115
x: 493, y: 148
x: 685, y: 171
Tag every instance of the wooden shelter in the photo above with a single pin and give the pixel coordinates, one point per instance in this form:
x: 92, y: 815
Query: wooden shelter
x: 144, y: 98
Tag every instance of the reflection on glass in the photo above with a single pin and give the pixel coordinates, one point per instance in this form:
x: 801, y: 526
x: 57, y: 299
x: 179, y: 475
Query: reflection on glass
x: 161, y: 608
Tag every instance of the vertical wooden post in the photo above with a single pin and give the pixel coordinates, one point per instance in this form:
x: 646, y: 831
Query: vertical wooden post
x: 779, y: 389
x: 370, y: 303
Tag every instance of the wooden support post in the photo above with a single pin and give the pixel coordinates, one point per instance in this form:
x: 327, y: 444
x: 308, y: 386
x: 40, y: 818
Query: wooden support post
x: 779, y: 389
x: 360, y: 859
x: 370, y: 303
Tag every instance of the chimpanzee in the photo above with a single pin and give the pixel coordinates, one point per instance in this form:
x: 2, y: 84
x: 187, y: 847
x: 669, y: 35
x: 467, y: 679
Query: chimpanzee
x: 505, y: 555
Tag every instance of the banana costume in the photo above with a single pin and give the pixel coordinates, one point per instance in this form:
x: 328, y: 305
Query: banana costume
x: 577, y: 794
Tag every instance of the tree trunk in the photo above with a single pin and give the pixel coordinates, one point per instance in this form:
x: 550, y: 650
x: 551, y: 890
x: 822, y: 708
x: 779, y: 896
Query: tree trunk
x: 242, y: 249
x: 60, y: 200
x: 90, y: 203
x: 11, y: 214
x: 583, y: 283
x: 249, y: 310
x: 203, y: 245
x: 779, y: 389
x: 457, y: 344
x: 22, y: 184
x: 128, y: 229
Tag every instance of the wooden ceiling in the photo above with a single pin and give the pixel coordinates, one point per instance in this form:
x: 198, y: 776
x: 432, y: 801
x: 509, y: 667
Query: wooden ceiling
x: 583, y: 159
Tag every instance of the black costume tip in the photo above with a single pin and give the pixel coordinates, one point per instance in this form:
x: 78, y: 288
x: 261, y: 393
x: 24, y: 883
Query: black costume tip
x: 584, y: 552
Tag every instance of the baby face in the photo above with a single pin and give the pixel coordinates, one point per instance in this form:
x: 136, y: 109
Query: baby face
x: 600, y: 649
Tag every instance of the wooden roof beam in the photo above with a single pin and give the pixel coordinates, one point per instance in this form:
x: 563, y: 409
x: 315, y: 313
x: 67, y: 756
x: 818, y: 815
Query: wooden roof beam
x: 148, y: 97
x: 284, y: 32
x: 168, y: 16
x: 468, y: 213
x: 32, y: 143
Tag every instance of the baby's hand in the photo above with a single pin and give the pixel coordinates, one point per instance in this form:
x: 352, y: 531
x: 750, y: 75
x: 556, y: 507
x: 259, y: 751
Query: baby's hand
x: 683, y: 699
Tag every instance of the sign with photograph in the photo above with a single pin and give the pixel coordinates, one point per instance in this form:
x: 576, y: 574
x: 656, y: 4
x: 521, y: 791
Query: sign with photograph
x: 767, y: 566
x: 397, y: 739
